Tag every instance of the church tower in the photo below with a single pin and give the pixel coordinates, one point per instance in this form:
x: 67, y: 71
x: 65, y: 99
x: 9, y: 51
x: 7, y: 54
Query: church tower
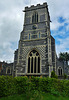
x: 35, y: 55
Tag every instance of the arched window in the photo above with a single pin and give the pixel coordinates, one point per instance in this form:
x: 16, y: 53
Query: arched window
x: 33, y: 62
x: 35, y: 17
x: 8, y: 70
x: 39, y: 35
x: 29, y: 36
x: 60, y: 71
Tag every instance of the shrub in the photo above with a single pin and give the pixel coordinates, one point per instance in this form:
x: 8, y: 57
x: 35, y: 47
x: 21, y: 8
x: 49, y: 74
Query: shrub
x: 65, y: 76
x: 53, y: 75
x: 21, y: 84
x: 7, y: 86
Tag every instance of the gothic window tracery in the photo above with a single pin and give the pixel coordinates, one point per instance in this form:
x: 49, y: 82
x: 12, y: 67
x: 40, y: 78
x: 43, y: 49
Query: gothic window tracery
x: 34, y: 62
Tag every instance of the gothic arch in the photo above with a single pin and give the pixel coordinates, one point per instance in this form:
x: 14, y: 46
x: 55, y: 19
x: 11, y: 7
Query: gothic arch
x: 8, y: 70
x: 33, y: 62
x: 60, y: 71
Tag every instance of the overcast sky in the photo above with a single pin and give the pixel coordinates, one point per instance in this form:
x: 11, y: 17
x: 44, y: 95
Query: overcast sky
x: 12, y: 19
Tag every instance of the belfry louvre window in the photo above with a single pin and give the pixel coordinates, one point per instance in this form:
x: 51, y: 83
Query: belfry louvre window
x: 33, y: 62
x: 35, y: 17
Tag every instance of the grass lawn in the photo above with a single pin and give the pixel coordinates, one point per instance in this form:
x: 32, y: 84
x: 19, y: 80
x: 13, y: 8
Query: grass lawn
x: 40, y: 97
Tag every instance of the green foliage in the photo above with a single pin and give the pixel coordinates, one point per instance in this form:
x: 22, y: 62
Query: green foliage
x: 64, y: 57
x: 53, y: 75
x: 65, y: 76
x: 32, y: 86
x: 21, y: 84
x: 7, y: 86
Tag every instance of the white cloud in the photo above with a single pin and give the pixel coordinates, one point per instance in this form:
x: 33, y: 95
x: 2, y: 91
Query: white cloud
x: 55, y: 24
x: 12, y: 19
x: 63, y: 46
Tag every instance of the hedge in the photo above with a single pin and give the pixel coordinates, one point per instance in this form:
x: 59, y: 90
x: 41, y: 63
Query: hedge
x: 7, y: 85
x: 25, y: 85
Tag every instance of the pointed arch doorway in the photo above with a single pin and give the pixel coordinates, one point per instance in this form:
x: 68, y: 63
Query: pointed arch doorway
x: 33, y: 62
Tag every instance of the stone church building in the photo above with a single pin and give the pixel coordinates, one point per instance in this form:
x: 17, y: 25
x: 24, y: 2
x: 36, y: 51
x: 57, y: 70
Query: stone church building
x: 36, y: 54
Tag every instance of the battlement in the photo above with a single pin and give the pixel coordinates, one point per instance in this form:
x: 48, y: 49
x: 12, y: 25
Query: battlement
x: 38, y: 6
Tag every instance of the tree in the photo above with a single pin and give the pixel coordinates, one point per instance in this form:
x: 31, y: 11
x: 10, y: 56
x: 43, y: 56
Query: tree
x: 64, y: 57
x: 61, y: 57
